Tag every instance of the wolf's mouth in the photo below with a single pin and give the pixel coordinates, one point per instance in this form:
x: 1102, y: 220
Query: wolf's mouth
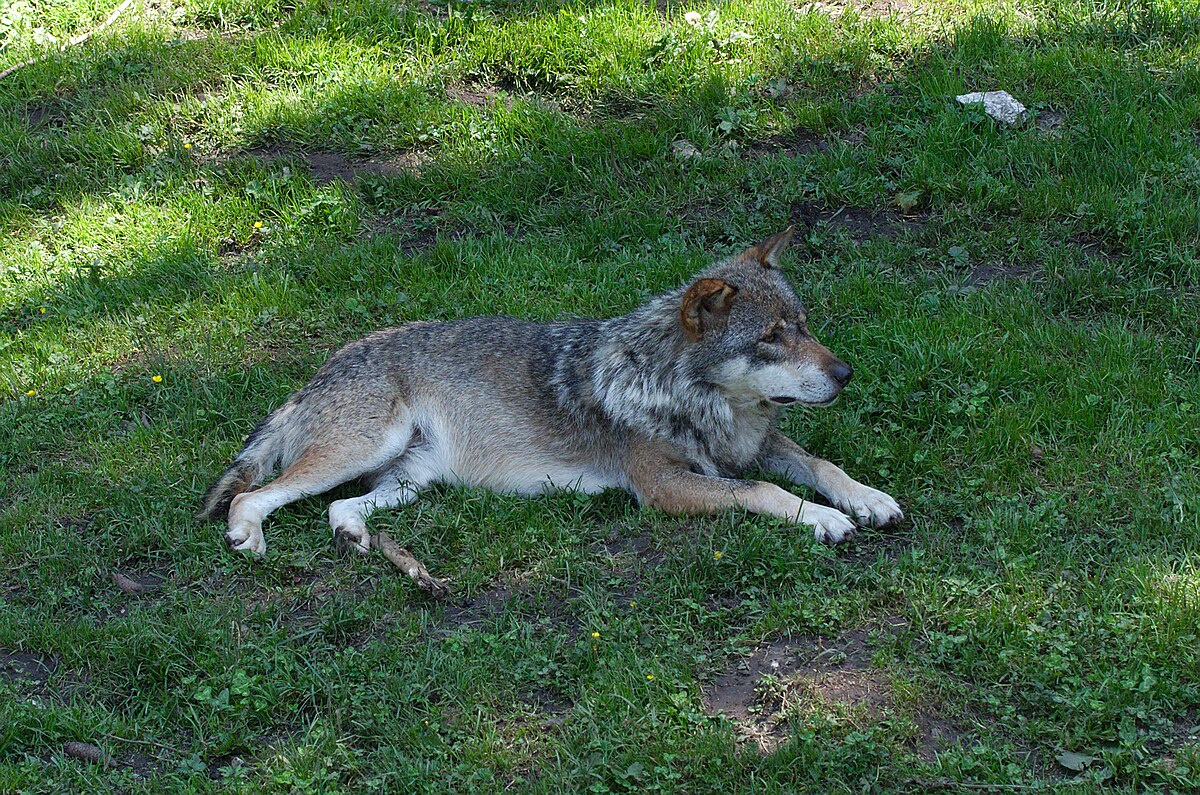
x: 783, y: 400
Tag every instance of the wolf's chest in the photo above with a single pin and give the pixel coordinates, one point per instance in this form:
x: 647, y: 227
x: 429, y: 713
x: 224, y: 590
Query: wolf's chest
x: 725, y: 441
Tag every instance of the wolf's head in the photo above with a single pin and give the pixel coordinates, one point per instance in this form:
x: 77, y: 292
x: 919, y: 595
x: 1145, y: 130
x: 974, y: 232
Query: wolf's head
x: 750, y: 332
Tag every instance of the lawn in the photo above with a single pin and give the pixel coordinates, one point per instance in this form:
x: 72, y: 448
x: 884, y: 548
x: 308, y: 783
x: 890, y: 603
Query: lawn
x: 206, y: 198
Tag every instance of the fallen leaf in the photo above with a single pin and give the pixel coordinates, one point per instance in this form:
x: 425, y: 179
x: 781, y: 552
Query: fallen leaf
x: 907, y: 201
x: 1073, y: 761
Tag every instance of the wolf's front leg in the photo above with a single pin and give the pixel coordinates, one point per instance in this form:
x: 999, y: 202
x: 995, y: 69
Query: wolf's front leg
x: 870, y: 506
x: 667, y: 485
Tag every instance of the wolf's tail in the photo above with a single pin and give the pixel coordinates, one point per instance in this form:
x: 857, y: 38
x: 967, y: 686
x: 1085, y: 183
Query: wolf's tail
x: 269, y: 446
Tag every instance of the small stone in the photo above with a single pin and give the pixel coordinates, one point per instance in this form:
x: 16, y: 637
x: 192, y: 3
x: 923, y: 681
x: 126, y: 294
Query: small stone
x: 1000, y: 105
x: 685, y: 150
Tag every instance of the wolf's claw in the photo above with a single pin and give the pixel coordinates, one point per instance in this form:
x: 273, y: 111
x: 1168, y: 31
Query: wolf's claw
x: 871, y: 507
x: 829, y: 525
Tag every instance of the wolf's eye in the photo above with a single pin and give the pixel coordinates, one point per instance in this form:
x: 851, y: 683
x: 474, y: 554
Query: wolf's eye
x: 773, y: 338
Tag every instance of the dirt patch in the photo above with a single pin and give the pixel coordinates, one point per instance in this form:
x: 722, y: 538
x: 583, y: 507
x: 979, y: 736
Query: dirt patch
x: 46, y: 114
x: 325, y: 166
x: 1050, y: 123
x: 218, y: 767
x: 26, y: 668
x: 482, y: 606
x: 639, y: 547
x: 796, y: 143
x: 74, y: 522
x: 869, y: 546
x: 801, y: 142
x: 1091, y: 246
x: 993, y: 272
x: 860, y: 223
x: 551, y: 707
x: 418, y: 228
x: 759, y: 691
x: 934, y: 734
x: 478, y: 95
x: 869, y: 9
x: 783, y: 678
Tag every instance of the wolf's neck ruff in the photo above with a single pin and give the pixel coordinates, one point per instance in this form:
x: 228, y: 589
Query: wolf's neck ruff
x: 645, y: 377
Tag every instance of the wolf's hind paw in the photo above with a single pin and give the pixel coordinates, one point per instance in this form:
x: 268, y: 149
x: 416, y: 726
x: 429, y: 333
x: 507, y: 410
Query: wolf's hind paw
x: 246, y: 538
x: 348, y: 538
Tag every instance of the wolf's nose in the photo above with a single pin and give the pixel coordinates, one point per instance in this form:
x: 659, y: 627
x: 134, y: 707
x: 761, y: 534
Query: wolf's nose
x: 841, y: 372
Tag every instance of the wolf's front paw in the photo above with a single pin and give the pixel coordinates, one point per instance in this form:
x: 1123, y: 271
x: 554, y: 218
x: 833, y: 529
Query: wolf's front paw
x: 871, y: 506
x: 829, y: 525
x: 246, y: 537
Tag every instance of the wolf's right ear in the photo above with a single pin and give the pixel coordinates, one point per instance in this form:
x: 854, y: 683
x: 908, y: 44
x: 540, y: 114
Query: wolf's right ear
x: 770, y: 250
x: 705, y: 304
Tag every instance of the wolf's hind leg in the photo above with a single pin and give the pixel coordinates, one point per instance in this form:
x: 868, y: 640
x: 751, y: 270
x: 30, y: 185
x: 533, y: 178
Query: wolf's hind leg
x: 348, y: 518
x: 314, y: 472
x: 318, y: 469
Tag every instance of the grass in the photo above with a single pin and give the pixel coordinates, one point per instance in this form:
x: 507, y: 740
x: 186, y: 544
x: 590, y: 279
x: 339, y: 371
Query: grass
x: 1021, y: 307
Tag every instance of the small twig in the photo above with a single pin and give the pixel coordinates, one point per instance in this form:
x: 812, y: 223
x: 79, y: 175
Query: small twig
x: 137, y: 742
x: 80, y: 39
x: 951, y: 784
x: 402, y: 559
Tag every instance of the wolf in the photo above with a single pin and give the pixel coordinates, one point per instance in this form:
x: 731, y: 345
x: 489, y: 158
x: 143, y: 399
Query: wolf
x: 672, y: 402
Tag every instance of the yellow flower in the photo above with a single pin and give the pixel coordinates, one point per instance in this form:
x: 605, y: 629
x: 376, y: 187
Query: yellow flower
x: 187, y: 146
x: 595, y: 634
x: 649, y: 677
x: 717, y: 555
x: 157, y: 379
x: 31, y: 393
x: 42, y: 309
x: 633, y: 604
x: 258, y: 224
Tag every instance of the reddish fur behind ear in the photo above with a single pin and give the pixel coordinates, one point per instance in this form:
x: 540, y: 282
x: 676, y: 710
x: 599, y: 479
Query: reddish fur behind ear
x: 706, y: 297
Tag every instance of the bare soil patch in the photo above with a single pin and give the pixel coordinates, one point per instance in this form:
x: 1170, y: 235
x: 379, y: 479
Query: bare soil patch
x: 796, y: 143
x: 325, y: 166
x: 50, y: 115
x: 987, y: 273
x: 889, y: 543
x: 1050, y: 122
x: 869, y: 9
x: 860, y: 223
x: 790, y: 675
x: 26, y: 669
x: 479, y: 95
x: 418, y: 228
x: 482, y: 606
x: 551, y: 706
x: 800, y: 142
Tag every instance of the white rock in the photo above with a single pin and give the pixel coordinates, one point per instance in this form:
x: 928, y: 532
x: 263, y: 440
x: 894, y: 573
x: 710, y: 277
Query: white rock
x: 685, y: 150
x: 1000, y: 105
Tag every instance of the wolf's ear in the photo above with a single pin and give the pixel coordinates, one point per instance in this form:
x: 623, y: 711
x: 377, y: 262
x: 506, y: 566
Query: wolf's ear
x: 705, y: 304
x: 770, y: 250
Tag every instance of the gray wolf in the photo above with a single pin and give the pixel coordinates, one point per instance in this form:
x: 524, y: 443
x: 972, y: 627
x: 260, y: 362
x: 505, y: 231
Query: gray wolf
x: 671, y: 402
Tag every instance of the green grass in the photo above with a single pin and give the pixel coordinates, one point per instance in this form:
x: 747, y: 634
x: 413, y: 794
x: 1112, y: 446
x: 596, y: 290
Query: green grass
x: 1028, y: 385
